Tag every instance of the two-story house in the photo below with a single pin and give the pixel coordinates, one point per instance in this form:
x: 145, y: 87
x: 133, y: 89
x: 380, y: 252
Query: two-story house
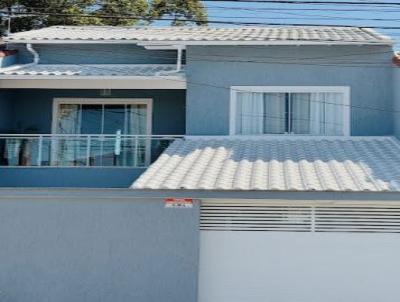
x: 186, y: 164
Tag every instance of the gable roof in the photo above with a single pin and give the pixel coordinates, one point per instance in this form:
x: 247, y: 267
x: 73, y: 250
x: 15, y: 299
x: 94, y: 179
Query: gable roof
x: 278, y: 163
x: 202, y: 35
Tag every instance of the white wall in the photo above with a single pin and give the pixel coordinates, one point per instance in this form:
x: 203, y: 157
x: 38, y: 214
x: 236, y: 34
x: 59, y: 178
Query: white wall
x: 258, y: 266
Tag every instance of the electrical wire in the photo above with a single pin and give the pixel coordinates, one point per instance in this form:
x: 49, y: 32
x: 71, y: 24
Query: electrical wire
x: 228, y: 88
x: 272, y: 60
x: 130, y: 17
x: 311, y: 2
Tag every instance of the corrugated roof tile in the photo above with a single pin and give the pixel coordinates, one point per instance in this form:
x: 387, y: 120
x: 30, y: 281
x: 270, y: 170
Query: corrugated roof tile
x: 278, y: 163
x: 71, y: 70
x: 201, y: 34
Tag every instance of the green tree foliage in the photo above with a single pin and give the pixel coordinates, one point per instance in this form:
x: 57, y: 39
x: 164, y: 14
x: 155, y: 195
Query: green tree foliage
x: 30, y: 14
x: 132, y: 8
x: 181, y: 11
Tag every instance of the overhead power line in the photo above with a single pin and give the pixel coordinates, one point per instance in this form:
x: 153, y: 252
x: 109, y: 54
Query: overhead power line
x: 321, y: 61
x: 309, y: 2
x: 306, y: 17
x: 295, y: 60
x: 244, y: 90
x: 294, y: 8
x: 324, y: 9
x: 275, y: 10
x: 130, y: 17
x: 282, y: 11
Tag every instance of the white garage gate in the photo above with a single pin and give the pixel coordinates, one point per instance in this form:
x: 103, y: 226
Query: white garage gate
x: 299, y: 252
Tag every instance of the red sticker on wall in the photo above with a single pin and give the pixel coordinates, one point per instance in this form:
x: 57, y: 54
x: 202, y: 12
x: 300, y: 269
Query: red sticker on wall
x: 178, y: 202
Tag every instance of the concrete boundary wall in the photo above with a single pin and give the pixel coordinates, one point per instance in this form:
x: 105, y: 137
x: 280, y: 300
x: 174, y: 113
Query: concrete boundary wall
x: 97, y: 249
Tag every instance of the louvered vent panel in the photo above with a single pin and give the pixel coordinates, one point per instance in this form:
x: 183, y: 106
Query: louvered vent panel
x: 364, y: 219
x: 300, y: 218
x: 240, y: 217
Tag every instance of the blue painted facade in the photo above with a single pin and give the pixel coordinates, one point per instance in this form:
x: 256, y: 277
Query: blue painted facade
x: 6, y: 111
x: 8, y: 59
x: 97, y: 249
x: 30, y: 111
x: 32, y: 108
x: 203, y: 109
x: 211, y: 71
x: 396, y: 105
x: 118, y: 245
x: 95, y: 54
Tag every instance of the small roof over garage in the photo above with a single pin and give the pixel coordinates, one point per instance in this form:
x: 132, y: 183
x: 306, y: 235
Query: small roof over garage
x: 277, y: 163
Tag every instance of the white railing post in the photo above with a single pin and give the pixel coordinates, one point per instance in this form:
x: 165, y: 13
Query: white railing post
x: 88, y: 143
x: 59, y: 149
x: 40, y: 147
x: 136, y: 151
x: 54, y: 150
x: 147, y: 151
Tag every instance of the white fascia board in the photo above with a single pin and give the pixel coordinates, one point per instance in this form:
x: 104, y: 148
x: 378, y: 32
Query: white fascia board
x: 34, y: 41
x: 173, y: 44
x: 92, y: 82
x: 108, y: 78
x: 162, y: 47
x: 265, y: 43
x: 289, y: 137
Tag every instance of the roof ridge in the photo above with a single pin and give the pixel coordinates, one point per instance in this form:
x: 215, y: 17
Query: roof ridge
x: 204, y: 27
x: 192, y: 35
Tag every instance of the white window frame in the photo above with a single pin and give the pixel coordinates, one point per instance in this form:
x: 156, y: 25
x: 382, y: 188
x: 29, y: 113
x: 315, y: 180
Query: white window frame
x: 103, y: 101
x: 108, y: 101
x: 346, y: 90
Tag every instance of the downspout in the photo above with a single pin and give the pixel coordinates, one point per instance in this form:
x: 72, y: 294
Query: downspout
x: 35, y: 54
x: 36, y: 59
x: 178, y: 69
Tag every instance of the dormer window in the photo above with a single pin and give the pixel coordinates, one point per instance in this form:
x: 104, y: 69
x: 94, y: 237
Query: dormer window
x: 290, y: 110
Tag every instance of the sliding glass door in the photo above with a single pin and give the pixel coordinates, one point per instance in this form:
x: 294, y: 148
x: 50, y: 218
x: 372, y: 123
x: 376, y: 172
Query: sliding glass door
x: 112, y: 124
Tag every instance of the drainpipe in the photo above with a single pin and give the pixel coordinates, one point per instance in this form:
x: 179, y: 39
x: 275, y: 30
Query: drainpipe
x: 36, y: 59
x: 35, y: 54
x: 178, y: 69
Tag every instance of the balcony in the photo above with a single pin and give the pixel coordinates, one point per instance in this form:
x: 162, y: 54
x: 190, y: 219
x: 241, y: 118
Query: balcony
x: 74, y: 151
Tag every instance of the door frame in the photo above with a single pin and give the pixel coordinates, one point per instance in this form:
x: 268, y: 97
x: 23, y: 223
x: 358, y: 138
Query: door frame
x: 102, y: 101
x: 105, y: 101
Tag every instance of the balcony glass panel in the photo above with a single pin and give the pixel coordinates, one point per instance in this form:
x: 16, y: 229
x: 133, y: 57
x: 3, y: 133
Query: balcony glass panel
x: 67, y: 151
x: 81, y: 150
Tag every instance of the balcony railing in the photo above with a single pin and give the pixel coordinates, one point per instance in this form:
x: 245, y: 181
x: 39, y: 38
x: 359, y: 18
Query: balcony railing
x: 65, y: 150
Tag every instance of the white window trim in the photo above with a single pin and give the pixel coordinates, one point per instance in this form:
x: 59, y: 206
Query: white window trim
x: 346, y: 90
x: 109, y: 101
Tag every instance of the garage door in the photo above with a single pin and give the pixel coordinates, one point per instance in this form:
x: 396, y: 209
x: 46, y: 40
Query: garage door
x: 303, y: 252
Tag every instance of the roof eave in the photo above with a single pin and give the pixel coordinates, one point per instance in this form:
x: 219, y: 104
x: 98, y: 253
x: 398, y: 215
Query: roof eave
x: 387, y: 42
x: 91, y: 82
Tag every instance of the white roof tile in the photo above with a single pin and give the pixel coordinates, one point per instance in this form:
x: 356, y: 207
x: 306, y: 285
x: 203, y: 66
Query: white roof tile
x: 278, y: 163
x: 209, y: 35
x: 97, y: 70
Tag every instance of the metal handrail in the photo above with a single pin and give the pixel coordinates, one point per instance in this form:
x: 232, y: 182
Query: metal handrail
x: 65, y: 149
x: 28, y: 135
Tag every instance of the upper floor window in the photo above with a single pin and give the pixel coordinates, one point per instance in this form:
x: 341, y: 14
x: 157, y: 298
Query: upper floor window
x: 293, y: 110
